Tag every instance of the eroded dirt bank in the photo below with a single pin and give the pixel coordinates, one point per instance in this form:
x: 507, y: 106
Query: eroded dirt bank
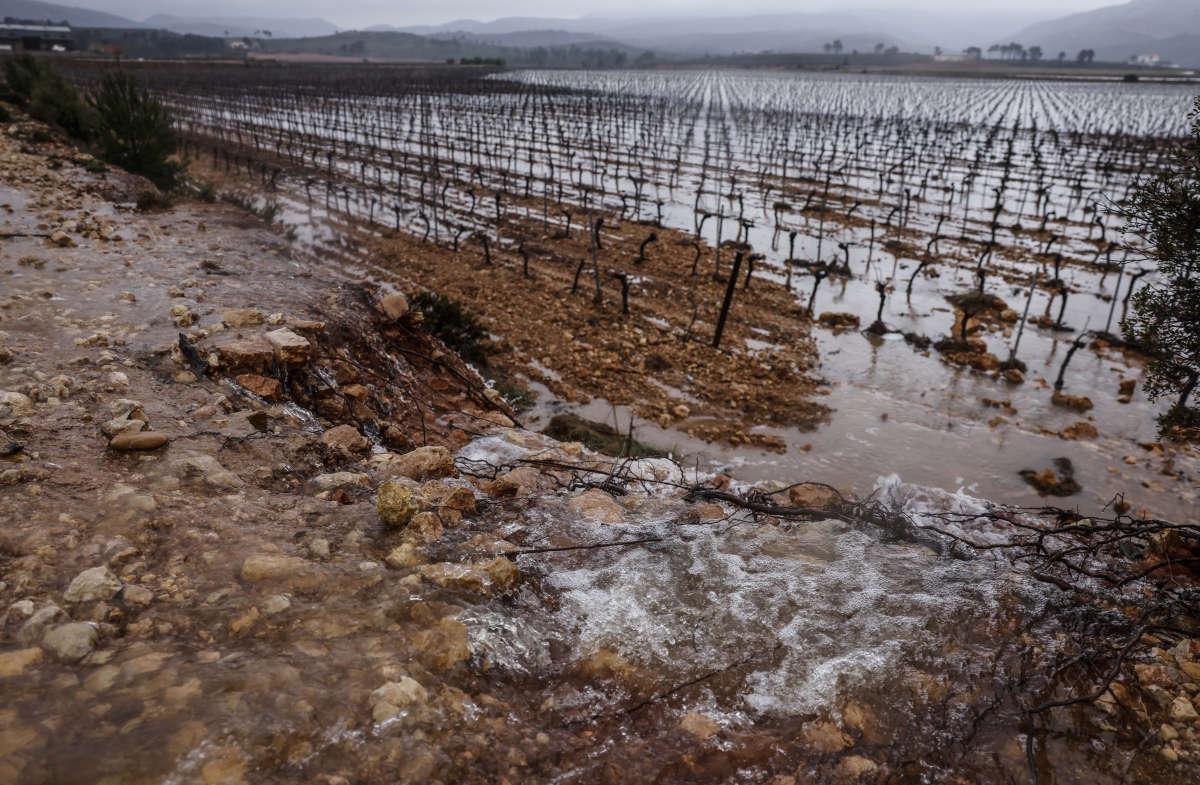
x: 198, y: 585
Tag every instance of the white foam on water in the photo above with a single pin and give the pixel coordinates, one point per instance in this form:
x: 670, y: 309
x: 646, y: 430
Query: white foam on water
x: 826, y: 607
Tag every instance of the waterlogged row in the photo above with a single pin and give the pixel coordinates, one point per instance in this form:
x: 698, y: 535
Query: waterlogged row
x: 1116, y: 108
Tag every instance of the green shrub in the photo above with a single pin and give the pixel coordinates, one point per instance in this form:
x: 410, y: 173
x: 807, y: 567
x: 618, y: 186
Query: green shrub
x: 150, y: 198
x: 45, y: 93
x: 207, y: 192
x: 134, y: 130
x: 21, y: 75
x: 268, y: 212
x: 457, y: 327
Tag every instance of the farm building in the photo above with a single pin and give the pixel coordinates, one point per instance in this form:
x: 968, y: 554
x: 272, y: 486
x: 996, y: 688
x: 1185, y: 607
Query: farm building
x: 33, y: 38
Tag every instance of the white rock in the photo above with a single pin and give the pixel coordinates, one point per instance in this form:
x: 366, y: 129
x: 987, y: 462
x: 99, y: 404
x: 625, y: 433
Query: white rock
x: 137, y: 595
x: 327, y: 482
x: 1182, y: 710
x: 276, y: 603
x: 98, y: 583
x: 395, y: 696
x: 71, y: 642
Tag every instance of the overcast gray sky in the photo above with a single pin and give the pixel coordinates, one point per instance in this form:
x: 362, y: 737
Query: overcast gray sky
x: 361, y: 13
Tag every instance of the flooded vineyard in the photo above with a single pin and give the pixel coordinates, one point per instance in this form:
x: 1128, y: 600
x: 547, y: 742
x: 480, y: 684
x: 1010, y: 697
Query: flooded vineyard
x: 798, y: 296
x: 836, y: 185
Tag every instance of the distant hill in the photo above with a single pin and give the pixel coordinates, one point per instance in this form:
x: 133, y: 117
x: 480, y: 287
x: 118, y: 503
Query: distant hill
x: 529, y: 38
x: 240, y: 26
x: 1167, y: 28
x: 914, y: 31
x: 389, y: 45
x: 77, y: 17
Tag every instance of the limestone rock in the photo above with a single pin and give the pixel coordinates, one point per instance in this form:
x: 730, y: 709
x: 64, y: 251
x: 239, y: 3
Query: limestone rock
x: 263, y: 386
x: 1080, y: 430
x: 251, y: 355
x: 8, y: 445
x: 463, y: 577
x: 276, y: 603
x: 832, y: 319
x: 272, y: 566
x: 242, y: 317
x: 334, y: 480
x: 446, y: 643
x: 138, y: 596
x: 31, y: 631
x: 129, y: 442
x: 1014, y: 376
x: 1080, y: 403
x: 14, y: 663
x: 406, y: 556
x: 396, y: 505
x: 1182, y: 710
x: 504, y: 575
x: 205, y: 468
x: 346, y: 439
x: 856, y: 766
x: 825, y: 736
x: 183, y: 316
x: 71, y: 642
x: 699, y: 725
x: 114, y: 428
x: 424, y: 527
x: 813, y: 496
x: 291, y: 350
x: 21, y: 405
x: 496, y: 577
x: 396, y: 696
x: 596, y: 505
x: 98, y: 583
x: 395, y: 305
x: 422, y: 463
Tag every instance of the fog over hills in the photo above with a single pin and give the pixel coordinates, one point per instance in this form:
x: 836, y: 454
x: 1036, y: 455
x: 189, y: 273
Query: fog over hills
x: 238, y: 26
x: 79, y: 17
x: 220, y: 27
x: 1168, y: 28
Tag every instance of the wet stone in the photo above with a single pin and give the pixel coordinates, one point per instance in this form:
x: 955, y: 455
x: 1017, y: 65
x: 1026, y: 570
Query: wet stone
x: 138, y: 596
x: 263, y: 386
x: 251, y: 355
x: 291, y: 350
x: 396, y: 504
x: 597, y: 506
x: 71, y: 642
x: 266, y: 567
x: 14, y: 663
x: 242, y: 317
x: 346, y: 440
x: 98, y: 583
x: 422, y: 463
x: 394, y: 305
x: 396, y: 696
x: 132, y: 442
